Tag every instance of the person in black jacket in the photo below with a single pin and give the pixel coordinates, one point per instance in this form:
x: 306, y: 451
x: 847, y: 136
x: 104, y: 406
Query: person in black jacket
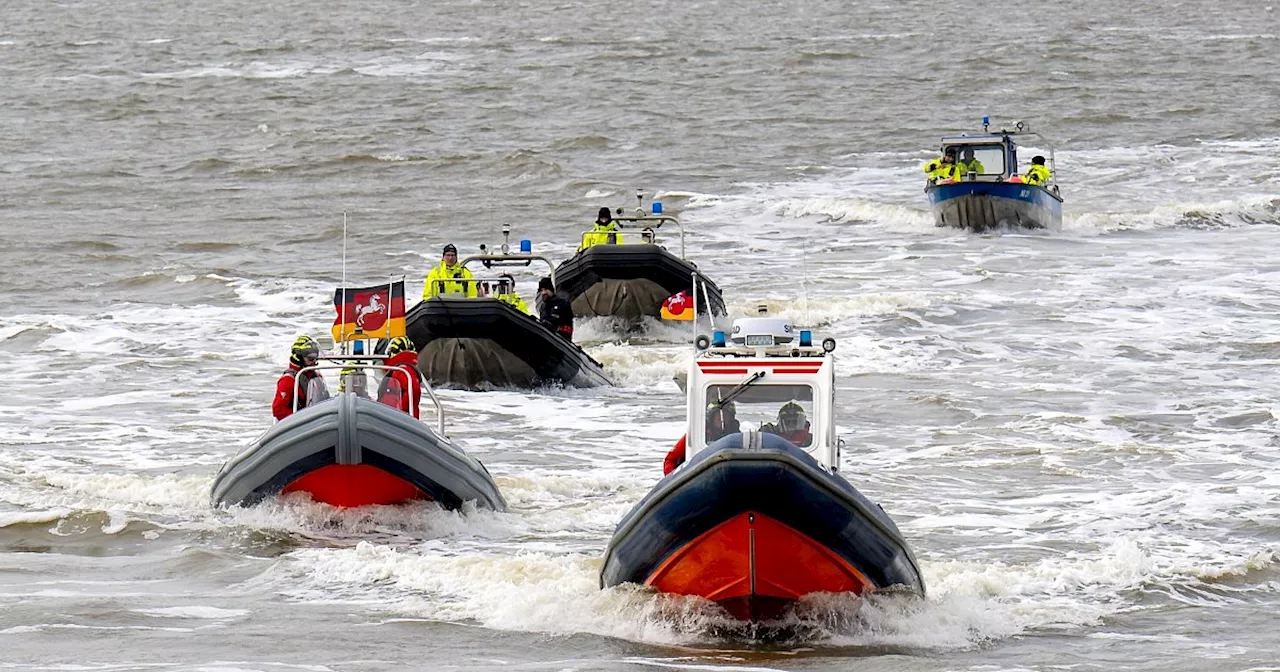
x: 554, y: 310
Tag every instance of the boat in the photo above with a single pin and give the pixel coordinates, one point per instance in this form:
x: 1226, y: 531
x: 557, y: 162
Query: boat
x: 479, y: 342
x: 635, y: 276
x: 759, y: 516
x: 996, y: 197
x: 349, y: 450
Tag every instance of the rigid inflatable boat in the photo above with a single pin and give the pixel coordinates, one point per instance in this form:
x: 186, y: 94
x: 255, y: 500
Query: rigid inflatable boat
x: 630, y: 276
x: 348, y: 450
x: 471, y: 342
x: 758, y: 516
x: 476, y: 339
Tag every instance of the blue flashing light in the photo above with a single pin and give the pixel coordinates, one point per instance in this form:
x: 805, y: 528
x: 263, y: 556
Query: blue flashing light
x: 526, y: 246
x: 717, y: 339
x: 806, y: 338
x: 657, y: 207
x: 358, y: 348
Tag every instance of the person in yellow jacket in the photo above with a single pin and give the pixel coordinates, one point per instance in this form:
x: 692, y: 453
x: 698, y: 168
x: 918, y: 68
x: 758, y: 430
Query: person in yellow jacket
x: 506, y: 293
x: 1038, y: 173
x: 444, y: 278
x: 605, y: 232
x: 943, y: 168
x: 970, y: 164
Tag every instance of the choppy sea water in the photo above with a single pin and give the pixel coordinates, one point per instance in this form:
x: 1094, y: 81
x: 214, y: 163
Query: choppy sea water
x: 1075, y: 431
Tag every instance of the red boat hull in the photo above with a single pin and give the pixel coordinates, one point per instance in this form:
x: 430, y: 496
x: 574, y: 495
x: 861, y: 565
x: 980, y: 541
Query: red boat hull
x: 756, y: 567
x: 349, y: 485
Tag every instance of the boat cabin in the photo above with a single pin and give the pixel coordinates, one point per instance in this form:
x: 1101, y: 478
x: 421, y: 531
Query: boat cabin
x: 766, y: 376
x: 991, y: 157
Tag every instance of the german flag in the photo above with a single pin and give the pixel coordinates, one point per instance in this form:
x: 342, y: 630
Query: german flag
x: 369, y: 312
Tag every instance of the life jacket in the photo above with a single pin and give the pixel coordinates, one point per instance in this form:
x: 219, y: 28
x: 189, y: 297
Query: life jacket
x: 302, y: 391
x: 391, y: 390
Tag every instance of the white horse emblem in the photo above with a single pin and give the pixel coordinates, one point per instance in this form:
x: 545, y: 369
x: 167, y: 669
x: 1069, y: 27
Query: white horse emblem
x: 375, y: 307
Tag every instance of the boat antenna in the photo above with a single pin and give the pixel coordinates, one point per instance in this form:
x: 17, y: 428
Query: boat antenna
x: 343, y: 346
x: 804, y: 280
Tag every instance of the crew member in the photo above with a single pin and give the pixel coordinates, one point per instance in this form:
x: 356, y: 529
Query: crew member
x: 507, y: 293
x: 449, y: 277
x: 355, y: 381
x: 305, y: 352
x: 554, y: 310
x: 943, y: 168
x: 969, y: 164
x: 605, y: 232
x: 721, y: 422
x: 402, y: 387
x: 1038, y: 173
x: 792, y: 425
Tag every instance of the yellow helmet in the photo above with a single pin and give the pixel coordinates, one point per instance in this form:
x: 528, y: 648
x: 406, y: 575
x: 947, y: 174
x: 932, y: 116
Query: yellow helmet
x: 357, y: 379
x: 304, y: 348
x: 398, y: 345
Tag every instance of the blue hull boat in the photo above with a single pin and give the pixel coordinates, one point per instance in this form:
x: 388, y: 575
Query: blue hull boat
x: 978, y: 184
x: 981, y: 206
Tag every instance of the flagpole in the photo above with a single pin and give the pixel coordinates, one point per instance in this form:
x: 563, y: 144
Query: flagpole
x: 344, y: 282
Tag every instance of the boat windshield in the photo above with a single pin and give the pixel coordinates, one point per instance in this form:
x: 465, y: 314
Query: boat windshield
x: 785, y: 410
x: 989, y: 158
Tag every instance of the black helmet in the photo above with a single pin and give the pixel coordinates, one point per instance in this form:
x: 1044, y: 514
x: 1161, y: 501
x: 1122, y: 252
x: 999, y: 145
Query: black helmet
x: 604, y: 215
x: 791, y: 417
x: 1037, y: 160
x: 726, y: 408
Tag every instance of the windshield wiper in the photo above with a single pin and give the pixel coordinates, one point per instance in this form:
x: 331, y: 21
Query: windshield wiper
x: 735, y: 392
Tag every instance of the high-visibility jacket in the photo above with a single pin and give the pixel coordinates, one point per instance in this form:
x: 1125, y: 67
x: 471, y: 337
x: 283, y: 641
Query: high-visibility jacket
x: 1037, y: 174
x: 974, y: 166
x: 939, y: 170
x: 440, y: 281
x: 601, y: 234
x: 515, y: 300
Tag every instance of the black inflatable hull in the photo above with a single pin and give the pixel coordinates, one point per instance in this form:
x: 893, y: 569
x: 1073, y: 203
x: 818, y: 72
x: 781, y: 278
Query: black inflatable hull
x: 756, y: 527
x: 630, y: 282
x: 464, y: 342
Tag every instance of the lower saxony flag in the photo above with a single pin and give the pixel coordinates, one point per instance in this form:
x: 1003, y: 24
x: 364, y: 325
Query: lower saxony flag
x: 368, y: 312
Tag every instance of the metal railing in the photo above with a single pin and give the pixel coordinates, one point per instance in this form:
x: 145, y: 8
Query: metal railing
x: 648, y: 226
x: 350, y: 362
